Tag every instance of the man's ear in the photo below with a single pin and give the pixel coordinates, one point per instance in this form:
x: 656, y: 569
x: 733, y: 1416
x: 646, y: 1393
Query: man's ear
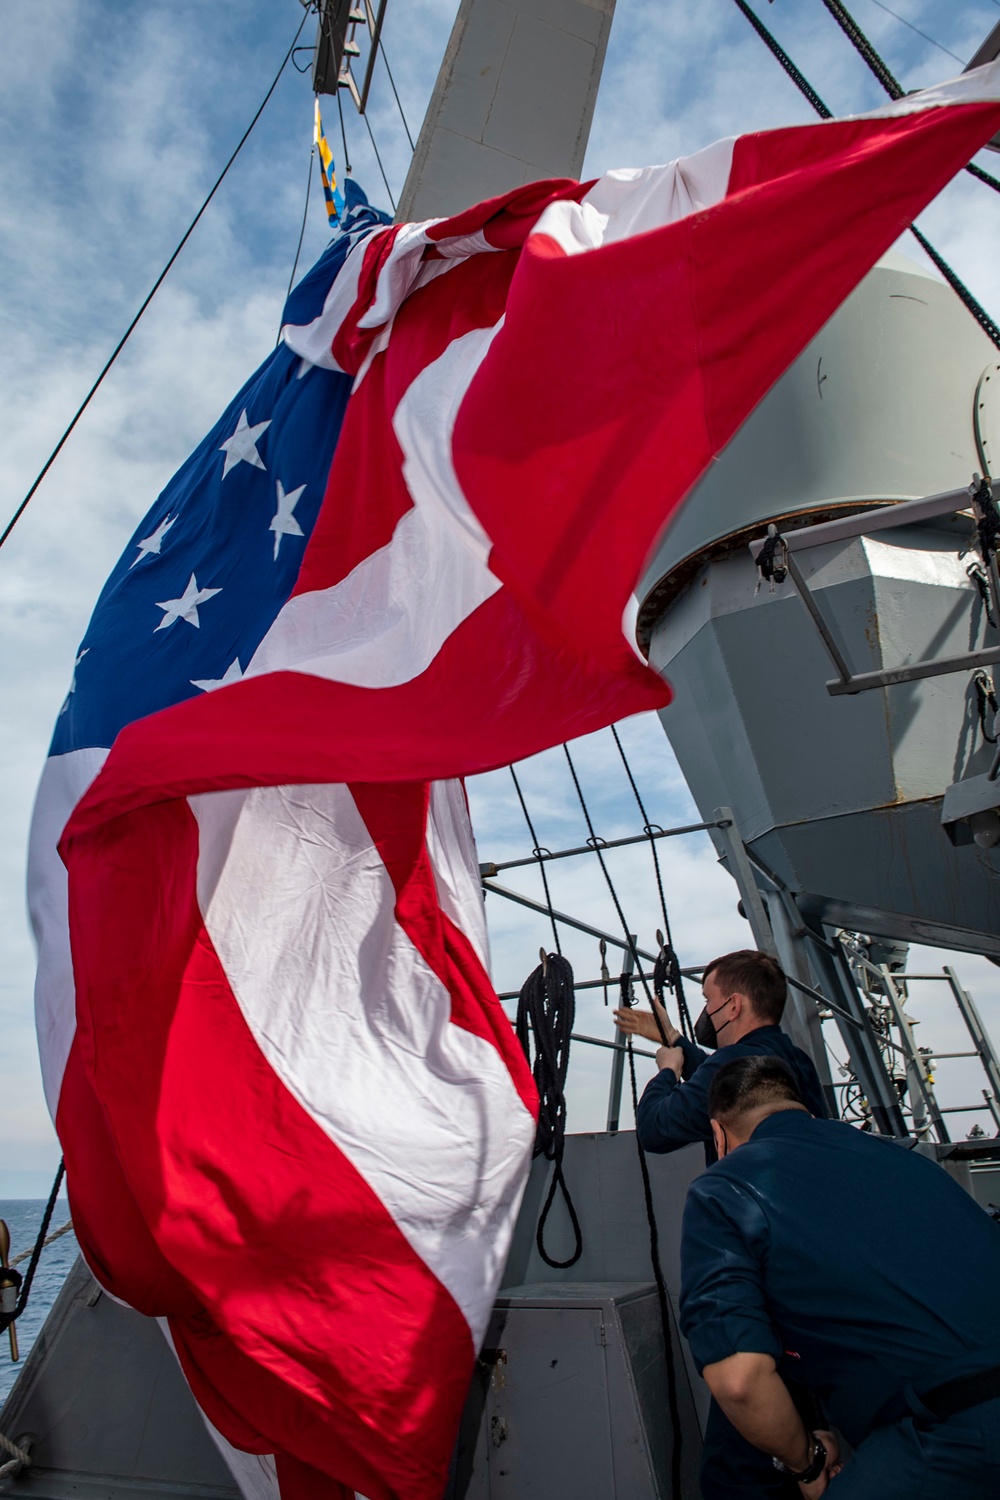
x: 740, y: 1003
x: 719, y: 1137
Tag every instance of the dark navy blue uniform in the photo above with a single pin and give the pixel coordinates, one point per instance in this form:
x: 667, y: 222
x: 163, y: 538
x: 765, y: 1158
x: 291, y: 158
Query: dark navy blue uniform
x: 865, y: 1271
x: 672, y: 1115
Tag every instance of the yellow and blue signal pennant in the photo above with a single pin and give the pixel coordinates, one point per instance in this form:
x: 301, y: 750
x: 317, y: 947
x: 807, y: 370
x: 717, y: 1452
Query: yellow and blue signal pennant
x: 332, y: 194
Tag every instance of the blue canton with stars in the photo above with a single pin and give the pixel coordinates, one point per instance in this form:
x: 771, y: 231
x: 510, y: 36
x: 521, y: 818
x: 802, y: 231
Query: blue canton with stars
x: 212, y: 563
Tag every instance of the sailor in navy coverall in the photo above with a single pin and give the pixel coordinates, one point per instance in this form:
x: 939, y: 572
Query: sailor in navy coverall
x: 745, y: 995
x: 864, y: 1268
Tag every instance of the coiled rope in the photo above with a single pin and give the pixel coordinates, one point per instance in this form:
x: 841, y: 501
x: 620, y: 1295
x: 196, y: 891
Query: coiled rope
x: 546, y: 1008
x: 20, y: 1458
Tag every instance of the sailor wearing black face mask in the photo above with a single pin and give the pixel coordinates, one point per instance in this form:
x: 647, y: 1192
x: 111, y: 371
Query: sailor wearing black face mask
x: 745, y: 995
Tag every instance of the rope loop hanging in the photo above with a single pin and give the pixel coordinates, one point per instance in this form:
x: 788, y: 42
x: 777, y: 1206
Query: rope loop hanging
x: 546, y: 1008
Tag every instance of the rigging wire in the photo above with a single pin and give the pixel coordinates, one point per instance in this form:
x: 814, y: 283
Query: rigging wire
x: 867, y: 51
x: 799, y: 79
x: 151, y: 293
x: 864, y: 47
x: 302, y: 230
x: 539, y: 854
x: 904, y: 22
x: 343, y: 135
x: 958, y: 286
x: 975, y: 307
x: 649, y: 828
x: 398, y: 104
x: 661, y: 1293
x: 595, y: 844
x: 654, y: 1235
x: 371, y: 137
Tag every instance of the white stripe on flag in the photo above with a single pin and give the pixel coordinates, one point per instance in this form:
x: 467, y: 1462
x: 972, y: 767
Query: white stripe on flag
x: 64, y: 780
x: 300, y: 910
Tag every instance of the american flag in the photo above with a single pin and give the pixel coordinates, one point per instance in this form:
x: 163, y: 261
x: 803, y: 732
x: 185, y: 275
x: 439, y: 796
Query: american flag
x: 295, y: 1119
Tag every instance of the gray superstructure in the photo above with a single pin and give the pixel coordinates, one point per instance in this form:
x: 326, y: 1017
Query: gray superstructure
x: 841, y: 795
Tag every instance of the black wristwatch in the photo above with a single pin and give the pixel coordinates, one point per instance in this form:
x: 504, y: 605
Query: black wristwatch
x: 813, y: 1468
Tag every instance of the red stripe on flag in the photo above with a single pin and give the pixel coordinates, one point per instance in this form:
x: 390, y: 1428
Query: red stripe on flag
x: 621, y: 372
x: 396, y: 818
x: 327, y: 1333
x: 351, y: 343
x: 518, y: 693
x: 366, y: 494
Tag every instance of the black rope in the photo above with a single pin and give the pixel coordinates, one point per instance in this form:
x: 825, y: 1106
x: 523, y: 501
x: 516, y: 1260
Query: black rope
x: 975, y: 171
x: 378, y: 158
x: 958, y: 286
x: 150, y: 295
x: 302, y: 227
x: 863, y: 46
x: 343, y: 135
x: 654, y: 1236
x: 595, y: 843
x: 396, y: 96
x: 29, y: 1275
x: 976, y: 575
x: 661, y: 1293
x: 667, y: 967
x: 987, y: 521
x: 546, y: 1007
x: 980, y: 314
x: 539, y: 854
x: 799, y: 79
x: 986, y: 699
x: 889, y: 82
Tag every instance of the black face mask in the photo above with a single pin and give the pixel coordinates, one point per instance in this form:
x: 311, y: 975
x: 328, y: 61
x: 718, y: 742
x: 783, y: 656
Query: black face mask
x: 705, y: 1033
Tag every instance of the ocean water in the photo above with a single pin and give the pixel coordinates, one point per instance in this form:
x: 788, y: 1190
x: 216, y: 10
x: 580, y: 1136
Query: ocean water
x: 22, y: 1217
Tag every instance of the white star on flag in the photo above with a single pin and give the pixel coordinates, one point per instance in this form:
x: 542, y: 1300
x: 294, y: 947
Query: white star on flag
x: 72, y: 681
x: 233, y: 673
x: 154, y: 542
x: 242, y: 446
x: 186, y: 607
x: 284, y: 523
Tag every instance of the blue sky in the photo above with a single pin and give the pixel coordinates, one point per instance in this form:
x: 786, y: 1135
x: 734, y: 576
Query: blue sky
x: 115, y: 118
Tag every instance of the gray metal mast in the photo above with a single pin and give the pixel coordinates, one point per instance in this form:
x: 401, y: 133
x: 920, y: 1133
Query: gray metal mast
x: 513, y: 101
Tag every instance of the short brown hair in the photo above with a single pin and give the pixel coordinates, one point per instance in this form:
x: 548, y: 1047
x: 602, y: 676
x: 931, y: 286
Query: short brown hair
x: 756, y: 975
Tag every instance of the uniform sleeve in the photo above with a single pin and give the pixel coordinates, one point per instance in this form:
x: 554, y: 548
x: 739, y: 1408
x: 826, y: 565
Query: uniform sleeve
x: 693, y: 1057
x: 670, y: 1114
x: 723, y: 1249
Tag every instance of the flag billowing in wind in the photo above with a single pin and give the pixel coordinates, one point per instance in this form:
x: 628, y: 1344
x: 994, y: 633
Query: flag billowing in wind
x: 294, y: 1119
